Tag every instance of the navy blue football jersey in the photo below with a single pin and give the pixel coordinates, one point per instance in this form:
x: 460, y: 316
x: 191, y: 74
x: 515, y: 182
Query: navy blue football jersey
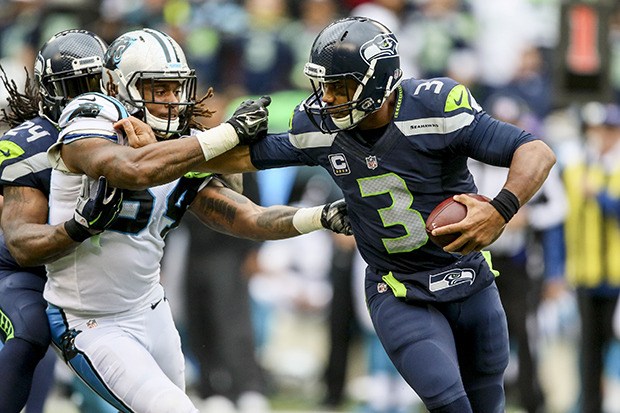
x: 392, y: 185
x: 23, y: 162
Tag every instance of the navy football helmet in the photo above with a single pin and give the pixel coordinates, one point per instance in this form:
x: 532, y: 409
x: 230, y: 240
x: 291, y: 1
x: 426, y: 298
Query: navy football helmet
x: 143, y: 57
x: 355, y: 48
x: 68, y: 64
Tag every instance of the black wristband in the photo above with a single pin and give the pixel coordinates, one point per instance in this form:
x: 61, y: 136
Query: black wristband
x: 506, y: 203
x: 76, y: 231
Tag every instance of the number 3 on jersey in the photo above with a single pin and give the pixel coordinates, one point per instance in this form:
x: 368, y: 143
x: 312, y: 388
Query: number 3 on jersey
x: 398, y: 213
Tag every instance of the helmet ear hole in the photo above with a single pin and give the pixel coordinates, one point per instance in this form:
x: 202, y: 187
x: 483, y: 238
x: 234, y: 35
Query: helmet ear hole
x: 68, y: 64
x: 358, y: 48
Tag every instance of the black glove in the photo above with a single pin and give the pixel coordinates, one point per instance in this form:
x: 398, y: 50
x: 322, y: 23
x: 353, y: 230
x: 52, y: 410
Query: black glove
x: 93, y: 215
x: 336, y: 218
x: 250, y: 120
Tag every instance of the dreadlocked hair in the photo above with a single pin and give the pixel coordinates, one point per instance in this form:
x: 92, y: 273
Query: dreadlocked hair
x: 21, y: 106
x: 201, y: 110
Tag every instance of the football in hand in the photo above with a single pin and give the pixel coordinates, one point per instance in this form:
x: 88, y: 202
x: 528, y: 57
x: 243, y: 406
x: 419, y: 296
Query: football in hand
x: 448, y: 212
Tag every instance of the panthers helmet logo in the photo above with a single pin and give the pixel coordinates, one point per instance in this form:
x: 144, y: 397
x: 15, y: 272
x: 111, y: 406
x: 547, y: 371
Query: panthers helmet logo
x: 116, y: 51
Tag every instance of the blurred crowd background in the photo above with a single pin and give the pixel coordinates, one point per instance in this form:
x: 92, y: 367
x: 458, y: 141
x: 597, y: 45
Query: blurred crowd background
x: 282, y: 325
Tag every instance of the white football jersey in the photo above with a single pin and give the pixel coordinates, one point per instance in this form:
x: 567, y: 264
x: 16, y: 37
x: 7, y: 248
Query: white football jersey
x: 119, y: 269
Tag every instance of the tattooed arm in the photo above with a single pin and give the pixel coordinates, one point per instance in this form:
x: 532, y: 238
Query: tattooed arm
x: 229, y: 212
x: 28, y: 238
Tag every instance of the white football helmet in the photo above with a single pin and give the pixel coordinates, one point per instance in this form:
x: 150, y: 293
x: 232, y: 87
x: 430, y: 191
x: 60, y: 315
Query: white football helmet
x: 142, y: 57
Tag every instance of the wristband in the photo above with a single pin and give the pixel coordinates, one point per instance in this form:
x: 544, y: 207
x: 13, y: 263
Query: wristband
x: 307, y: 220
x: 76, y: 231
x: 216, y: 141
x: 506, y: 203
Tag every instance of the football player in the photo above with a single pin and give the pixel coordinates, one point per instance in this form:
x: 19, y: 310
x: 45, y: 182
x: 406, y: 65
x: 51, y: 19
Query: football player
x: 108, y: 312
x: 398, y: 147
x: 68, y: 64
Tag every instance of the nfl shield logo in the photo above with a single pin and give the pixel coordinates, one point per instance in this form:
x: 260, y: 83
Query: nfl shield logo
x: 371, y: 162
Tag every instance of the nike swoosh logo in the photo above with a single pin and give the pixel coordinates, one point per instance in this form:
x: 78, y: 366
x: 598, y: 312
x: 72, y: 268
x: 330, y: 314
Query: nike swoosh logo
x: 89, y: 98
x: 155, y: 305
x: 6, y: 153
x: 460, y: 100
x: 250, y: 122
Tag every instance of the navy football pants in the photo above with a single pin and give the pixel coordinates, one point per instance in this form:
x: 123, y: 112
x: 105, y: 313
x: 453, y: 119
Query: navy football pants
x: 446, y: 351
x: 26, y: 333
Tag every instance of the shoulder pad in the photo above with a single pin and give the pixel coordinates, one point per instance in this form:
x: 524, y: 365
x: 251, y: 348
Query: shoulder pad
x: 90, y: 115
x: 442, y: 95
x: 94, y: 106
x: 300, y: 122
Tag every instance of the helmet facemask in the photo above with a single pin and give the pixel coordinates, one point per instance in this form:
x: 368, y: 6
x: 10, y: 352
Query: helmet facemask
x: 169, y: 117
x: 140, y: 62
x: 356, y: 107
x: 69, y: 64
x: 356, y: 49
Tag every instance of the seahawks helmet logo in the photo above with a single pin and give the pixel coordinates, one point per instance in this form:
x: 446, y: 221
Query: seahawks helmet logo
x: 380, y: 47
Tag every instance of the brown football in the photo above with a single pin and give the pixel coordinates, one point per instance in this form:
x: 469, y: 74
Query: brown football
x: 448, y: 212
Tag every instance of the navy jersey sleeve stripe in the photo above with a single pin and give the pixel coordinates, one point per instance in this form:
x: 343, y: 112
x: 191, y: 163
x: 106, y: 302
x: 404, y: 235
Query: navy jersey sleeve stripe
x: 35, y: 164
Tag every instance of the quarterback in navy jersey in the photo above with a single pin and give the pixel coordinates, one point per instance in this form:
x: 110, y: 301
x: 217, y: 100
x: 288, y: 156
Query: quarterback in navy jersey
x: 397, y: 148
x: 68, y: 64
x: 419, y: 160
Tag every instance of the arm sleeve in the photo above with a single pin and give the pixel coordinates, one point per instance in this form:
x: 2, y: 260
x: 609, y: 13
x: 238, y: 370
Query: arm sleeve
x: 32, y: 172
x: 276, y: 151
x: 91, y: 115
x: 492, y: 141
x: 23, y: 159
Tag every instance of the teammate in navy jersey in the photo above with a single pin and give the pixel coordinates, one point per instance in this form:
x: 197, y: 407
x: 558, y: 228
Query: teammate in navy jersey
x: 109, y: 316
x: 397, y: 148
x: 69, y: 64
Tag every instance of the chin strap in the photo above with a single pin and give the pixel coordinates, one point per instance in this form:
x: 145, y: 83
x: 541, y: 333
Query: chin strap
x: 350, y: 121
x: 164, y: 128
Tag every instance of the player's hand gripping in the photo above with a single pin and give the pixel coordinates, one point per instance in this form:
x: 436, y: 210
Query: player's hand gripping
x: 336, y: 218
x: 480, y: 228
x: 94, y: 214
x: 250, y: 120
x: 137, y: 132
